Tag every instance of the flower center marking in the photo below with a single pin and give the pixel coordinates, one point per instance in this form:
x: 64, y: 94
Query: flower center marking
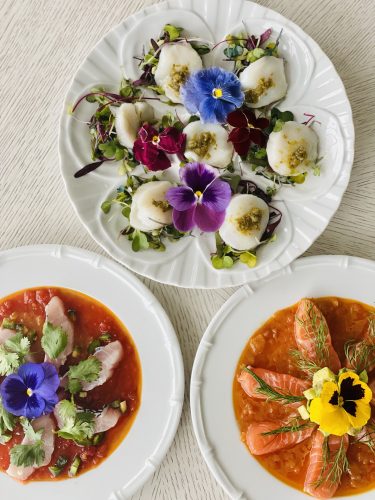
x: 198, y: 194
x: 29, y: 392
x: 155, y: 139
x: 217, y: 93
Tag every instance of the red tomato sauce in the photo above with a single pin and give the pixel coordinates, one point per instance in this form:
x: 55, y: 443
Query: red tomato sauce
x: 269, y: 348
x: 92, y: 319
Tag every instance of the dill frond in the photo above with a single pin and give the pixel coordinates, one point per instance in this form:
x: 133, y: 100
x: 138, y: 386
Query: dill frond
x: 368, y: 439
x: 293, y: 427
x: 304, y: 364
x: 371, y: 326
x: 271, y: 393
x: 338, y: 466
x: 316, y: 331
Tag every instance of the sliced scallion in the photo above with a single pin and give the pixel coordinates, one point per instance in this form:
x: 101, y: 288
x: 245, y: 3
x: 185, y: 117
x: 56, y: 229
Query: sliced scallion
x: 73, y: 471
x: 57, y: 469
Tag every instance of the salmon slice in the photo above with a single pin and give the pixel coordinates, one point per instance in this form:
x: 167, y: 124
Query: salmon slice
x: 282, y: 382
x: 6, y: 334
x: 312, y: 336
x: 55, y: 314
x: 372, y: 387
x: 46, y: 423
x: 259, y: 444
x: 316, y: 471
x: 107, y: 419
x: 362, y: 353
x: 109, y: 356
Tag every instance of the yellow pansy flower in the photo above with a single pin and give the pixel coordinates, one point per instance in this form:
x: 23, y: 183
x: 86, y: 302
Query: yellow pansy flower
x: 342, y: 405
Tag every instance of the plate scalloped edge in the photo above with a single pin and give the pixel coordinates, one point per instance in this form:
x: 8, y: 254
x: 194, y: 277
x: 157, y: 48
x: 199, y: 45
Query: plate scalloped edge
x: 171, y: 343
x: 342, y: 262
x: 316, y: 213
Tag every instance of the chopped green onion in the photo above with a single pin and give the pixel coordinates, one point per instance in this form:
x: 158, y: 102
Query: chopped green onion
x: 57, y: 469
x: 76, y: 352
x: 106, y: 337
x: 123, y: 406
x: 82, y: 394
x: 115, y: 404
x: 98, y: 438
x: 93, y: 345
x: 75, y: 466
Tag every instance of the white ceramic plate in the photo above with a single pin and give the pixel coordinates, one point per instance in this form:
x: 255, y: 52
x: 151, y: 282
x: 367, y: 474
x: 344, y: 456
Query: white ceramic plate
x: 315, y: 88
x: 215, y: 426
x: 155, y: 425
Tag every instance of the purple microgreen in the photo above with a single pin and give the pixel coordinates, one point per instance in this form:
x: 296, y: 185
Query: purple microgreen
x: 90, y: 167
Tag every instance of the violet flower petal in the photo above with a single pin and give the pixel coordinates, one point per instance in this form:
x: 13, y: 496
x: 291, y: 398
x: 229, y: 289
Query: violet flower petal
x: 208, y: 220
x: 51, y: 382
x: 217, y: 196
x: 32, y: 375
x: 181, y: 197
x: 184, y: 220
x: 35, y: 406
x: 13, y: 395
x: 171, y: 140
x: 147, y: 132
x: 197, y: 175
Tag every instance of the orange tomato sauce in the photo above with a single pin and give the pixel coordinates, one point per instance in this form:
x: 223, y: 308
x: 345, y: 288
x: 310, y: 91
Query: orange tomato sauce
x: 92, y: 320
x: 269, y: 348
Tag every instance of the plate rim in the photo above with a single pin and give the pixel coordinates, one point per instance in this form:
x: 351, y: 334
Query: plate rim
x: 244, y: 292
x: 235, y: 282
x: 168, y: 432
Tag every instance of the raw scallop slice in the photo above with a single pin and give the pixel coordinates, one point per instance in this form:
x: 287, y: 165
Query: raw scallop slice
x: 47, y: 424
x: 107, y: 419
x: 260, y: 444
x: 6, y: 334
x: 55, y: 314
x: 309, y: 325
x: 317, y: 472
x: 109, y: 356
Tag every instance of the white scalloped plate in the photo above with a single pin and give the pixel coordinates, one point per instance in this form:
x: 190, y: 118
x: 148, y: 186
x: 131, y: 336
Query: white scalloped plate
x: 315, y: 88
x: 144, y: 447
x: 215, y: 426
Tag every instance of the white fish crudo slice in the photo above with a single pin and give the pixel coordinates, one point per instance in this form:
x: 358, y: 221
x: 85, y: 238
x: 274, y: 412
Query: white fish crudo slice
x: 150, y: 210
x: 109, y: 357
x: 176, y: 62
x: 293, y: 149
x: 6, y: 334
x: 245, y: 221
x: 55, y: 314
x: 264, y: 81
x: 128, y: 119
x: 208, y: 143
x: 104, y: 421
x: 48, y: 437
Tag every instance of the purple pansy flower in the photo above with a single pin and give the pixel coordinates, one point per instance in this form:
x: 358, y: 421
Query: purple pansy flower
x: 31, y: 392
x: 213, y: 93
x: 201, y: 201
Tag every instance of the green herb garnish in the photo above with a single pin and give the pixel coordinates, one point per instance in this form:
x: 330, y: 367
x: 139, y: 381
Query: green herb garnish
x: 54, y: 340
x: 86, y: 371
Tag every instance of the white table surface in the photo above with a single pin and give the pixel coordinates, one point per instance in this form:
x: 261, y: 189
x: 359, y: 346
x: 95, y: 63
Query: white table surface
x: 42, y: 43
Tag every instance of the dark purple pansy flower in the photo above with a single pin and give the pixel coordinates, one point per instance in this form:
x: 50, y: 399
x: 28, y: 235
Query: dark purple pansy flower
x: 213, y: 93
x: 201, y: 201
x: 151, y: 146
x: 247, y: 130
x: 31, y: 392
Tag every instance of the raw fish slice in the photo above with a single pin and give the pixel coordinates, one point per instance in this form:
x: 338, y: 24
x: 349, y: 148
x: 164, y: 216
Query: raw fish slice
x: 55, y: 314
x: 107, y: 419
x: 46, y: 423
x: 284, y: 383
x: 316, y: 471
x: 104, y: 421
x: 313, y: 338
x: 6, y: 334
x: 356, y: 352
x: 260, y: 444
x: 109, y: 356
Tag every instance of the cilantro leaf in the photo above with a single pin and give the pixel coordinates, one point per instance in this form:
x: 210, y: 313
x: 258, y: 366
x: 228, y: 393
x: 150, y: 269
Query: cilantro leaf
x: 9, y: 361
x: 7, y: 423
x: 19, y: 345
x: 86, y: 371
x: 77, y: 426
x: 54, y: 340
x: 27, y: 455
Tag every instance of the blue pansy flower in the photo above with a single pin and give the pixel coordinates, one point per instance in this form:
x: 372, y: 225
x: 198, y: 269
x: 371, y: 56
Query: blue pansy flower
x: 31, y: 392
x: 213, y: 93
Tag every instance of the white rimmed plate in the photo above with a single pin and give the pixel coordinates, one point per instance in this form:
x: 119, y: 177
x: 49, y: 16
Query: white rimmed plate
x: 215, y: 426
x: 315, y: 88
x: 155, y: 425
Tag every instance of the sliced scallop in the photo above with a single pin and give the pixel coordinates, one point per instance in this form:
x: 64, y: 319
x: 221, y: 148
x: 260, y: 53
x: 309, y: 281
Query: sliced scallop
x: 264, y: 81
x: 150, y: 209
x: 128, y: 119
x: 208, y: 143
x: 292, y: 150
x: 245, y: 221
x: 176, y: 62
